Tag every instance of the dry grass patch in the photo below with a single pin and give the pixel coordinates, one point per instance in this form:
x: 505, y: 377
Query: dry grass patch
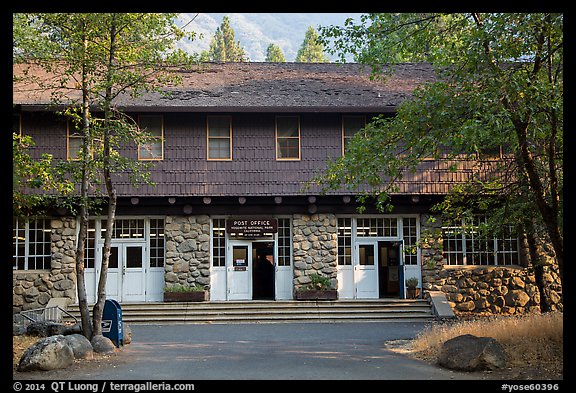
x: 529, y: 341
x: 19, y: 345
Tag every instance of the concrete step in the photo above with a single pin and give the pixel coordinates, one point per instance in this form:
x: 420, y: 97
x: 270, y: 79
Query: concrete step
x: 274, y: 311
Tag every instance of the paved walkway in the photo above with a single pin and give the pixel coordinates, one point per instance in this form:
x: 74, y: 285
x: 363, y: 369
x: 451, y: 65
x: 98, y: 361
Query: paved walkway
x: 310, y: 351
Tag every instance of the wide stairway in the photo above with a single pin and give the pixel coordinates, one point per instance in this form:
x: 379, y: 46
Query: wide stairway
x: 261, y: 311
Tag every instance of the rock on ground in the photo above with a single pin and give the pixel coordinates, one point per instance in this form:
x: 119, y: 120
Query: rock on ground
x: 49, y: 353
x: 127, y: 334
x: 80, y: 346
x: 102, y: 344
x: 471, y: 353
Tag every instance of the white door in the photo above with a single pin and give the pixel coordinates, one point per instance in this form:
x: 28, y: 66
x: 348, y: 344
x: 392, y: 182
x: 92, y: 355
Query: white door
x: 366, y: 270
x: 239, y: 270
x: 114, y: 275
x: 283, y: 282
x: 345, y: 276
x: 126, y: 278
x: 133, y: 273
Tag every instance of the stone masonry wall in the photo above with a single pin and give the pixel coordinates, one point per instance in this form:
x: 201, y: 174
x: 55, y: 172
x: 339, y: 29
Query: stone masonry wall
x: 482, y: 289
x: 33, y: 289
x: 187, y: 250
x: 315, y: 247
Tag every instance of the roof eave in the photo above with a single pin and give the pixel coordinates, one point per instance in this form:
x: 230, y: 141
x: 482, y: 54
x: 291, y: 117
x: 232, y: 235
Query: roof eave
x: 215, y: 109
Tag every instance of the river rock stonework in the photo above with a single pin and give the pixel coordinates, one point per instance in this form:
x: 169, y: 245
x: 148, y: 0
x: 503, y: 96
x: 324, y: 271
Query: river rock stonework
x: 187, y: 250
x: 478, y: 289
x: 33, y: 289
x: 315, y: 248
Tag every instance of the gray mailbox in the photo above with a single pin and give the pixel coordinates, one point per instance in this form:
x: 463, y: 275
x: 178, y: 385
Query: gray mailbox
x: 112, y: 322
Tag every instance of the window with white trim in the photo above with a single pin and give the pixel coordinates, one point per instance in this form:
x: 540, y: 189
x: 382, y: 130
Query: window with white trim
x: 467, y: 244
x: 344, y: 241
x: 219, y: 242
x: 377, y: 227
x: 410, y: 238
x: 156, y: 242
x: 90, y: 246
x: 31, y: 244
x: 284, y: 241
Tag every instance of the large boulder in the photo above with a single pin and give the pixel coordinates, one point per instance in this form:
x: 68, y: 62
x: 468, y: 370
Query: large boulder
x: 81, y: 346
x: 102, y: 345
x: 49, y: 353
x: 472, y: 353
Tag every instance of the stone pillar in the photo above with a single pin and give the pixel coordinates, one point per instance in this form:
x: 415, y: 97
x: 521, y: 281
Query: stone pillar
x: 315, y: 247
x: 187, y: 250
x: 432, y: 261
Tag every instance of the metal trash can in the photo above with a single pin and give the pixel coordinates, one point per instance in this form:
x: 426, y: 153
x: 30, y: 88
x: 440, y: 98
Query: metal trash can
x: 112, y: 322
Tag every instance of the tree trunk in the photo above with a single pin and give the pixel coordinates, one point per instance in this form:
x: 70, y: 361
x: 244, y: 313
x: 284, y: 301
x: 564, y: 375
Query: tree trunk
x: 83, y: 230
x: 99, y: 306
x: 548, y: 212
x: 111, y: 190
x: 538, y: 267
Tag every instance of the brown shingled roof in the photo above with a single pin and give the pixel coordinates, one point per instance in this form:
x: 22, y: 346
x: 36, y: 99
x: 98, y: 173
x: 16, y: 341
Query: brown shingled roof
x: 263, y: 87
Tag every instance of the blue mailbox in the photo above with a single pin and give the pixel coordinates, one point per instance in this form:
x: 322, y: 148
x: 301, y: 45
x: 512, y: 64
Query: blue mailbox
x: 112, y: 322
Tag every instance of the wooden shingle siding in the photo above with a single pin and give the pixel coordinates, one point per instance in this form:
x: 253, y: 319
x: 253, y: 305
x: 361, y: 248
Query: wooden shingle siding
x: 254, y: 170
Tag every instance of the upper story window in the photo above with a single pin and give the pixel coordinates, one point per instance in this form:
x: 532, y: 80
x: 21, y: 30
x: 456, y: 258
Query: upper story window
x: 153, y: 149
x: 31, y: 244
x: 74, y: 141
x: 350, y: 126
x: 287, y: 138
x: 219, y: 137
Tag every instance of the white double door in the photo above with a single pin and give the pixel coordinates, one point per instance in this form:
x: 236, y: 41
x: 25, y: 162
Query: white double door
x: 127, y: 279
x: 360, y: 280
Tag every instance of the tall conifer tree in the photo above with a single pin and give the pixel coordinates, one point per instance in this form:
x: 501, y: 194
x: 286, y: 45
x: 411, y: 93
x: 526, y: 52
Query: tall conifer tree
x: 274, y: 54
x: 312, y: 50
x: 224, y: 46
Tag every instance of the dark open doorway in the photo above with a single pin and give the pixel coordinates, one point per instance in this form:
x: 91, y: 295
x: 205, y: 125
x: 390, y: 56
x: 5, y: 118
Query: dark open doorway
x: 389, y: 269
x: 263, y: 270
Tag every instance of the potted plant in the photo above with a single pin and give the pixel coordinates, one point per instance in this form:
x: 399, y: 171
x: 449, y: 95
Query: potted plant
x: 185, y: 293
x: 412, y: 288
x: 317, y: 289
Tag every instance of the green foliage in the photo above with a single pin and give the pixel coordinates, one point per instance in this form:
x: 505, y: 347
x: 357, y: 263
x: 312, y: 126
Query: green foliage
x: 412, y: 283
x: 105, y: 55
x: 274, y: 54
x: 35, y: 174
x: 311, y: 50
x: 318, y: 282
x: 500, y: 85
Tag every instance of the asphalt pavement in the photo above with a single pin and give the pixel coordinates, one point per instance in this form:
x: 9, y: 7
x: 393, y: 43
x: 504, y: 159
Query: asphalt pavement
x: 284, y: 351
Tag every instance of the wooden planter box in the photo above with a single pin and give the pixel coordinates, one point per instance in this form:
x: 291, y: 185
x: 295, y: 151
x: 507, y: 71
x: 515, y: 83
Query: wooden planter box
x: 198, y: 296
x: 329, y: 294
